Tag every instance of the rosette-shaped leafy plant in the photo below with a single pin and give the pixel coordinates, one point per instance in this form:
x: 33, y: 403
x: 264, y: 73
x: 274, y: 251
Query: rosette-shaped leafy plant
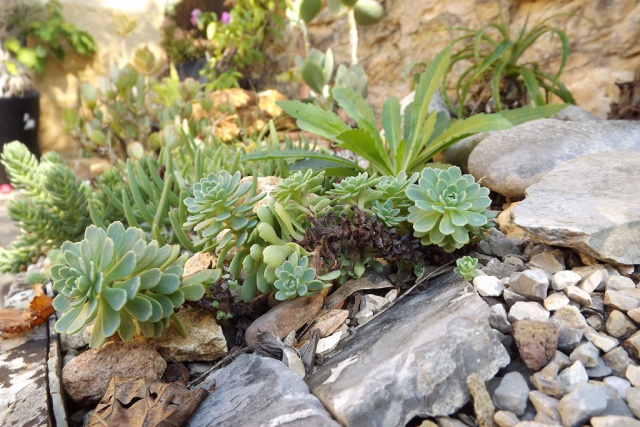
x: 448, y: 207
x: 466, y: 267
x: 393, y: 188
x: 387, y: 214
x: 216, y: 206
x: 356, y: 190
x: 296, y: 278
x: 123, y: 283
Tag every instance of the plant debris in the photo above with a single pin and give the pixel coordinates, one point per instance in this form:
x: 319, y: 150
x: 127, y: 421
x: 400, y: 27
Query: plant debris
x: 16, y: 322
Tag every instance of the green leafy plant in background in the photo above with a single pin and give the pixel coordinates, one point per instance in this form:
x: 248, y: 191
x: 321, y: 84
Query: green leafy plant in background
x: 295, y: 278
x: 466, y: 267
x: 449, y: 208
x: 53, y: 208
x: 122, y: 282
x: 411, y: 138
x: 497, y: 77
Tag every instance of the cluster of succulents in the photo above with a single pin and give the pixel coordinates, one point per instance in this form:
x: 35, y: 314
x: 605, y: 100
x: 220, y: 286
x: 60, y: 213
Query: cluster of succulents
x: 466, y: 267
x: 123, y: 283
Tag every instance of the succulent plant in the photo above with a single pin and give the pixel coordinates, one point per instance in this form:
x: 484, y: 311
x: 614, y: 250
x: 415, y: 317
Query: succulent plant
x: 466, y: 267
x: 355, y: 190
x: 296, y: 278
x: 300, y: 187
x: 387, y: 214
x: 393, y: 188
x: 216, y: 206
x: 123, y: 283
x: 448, y: 208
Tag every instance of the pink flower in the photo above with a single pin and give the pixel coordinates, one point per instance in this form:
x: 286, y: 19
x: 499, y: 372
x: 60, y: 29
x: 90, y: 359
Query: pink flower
x: 195, y: 13
x: 225, y: 18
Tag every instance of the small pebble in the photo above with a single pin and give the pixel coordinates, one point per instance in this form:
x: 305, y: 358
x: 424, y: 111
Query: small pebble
x: 488, y: 286
x: 555, y: 301
x: 564, y: 278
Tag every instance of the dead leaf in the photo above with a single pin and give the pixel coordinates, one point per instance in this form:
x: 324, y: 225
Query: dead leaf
x: 15, y: 322
x: 145, y: 402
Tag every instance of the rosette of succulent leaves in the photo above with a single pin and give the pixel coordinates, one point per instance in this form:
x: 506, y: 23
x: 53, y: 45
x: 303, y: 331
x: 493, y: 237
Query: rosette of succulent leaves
x: 51, y: 208
x: 123, y: 283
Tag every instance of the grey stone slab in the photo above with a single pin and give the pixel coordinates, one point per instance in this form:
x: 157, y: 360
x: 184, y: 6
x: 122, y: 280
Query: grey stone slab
x: 514, y: 159
x: 259, y: 391
x: 589, y: 204
x: 412, y: 360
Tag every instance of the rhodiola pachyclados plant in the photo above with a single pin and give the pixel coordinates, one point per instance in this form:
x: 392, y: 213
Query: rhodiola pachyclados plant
x: 122, y: 282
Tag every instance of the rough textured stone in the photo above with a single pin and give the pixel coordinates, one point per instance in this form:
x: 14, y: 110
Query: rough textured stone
x: 599, y: 371
x: 498, y: 318
x: 86, y: 377
x: 603, y: 341
x: 570, y: 324
x: 592, y: 282
x: 618, y: 360
x: 505, y: 419
x: 573, y: 375
x: 573, y: 207
x: 584, y: 402
x: 512, y: 394
x: 545, y: 404
x: 532, y: 284
x: 618, y: 283
x: 528, y: 310
x: 551, y: 262
x: 286, y: 317
x: 587, y: 354
x: 443, y: 334
x: 204, y: 341
x: 488, y: 286
x: 536, y: 341
x: 578, y: 295
x: 634, y: 314
x: 633, y: 375
x: 514, y: 159
x: 256, y: 388
x: 617, y: 299
x: 327, y: 323
x: 565, y: 278
x: 547, y: 381
x: 555, y: 301
x: 619, y: 325
x: 633, y: 398
x: 614, y: 421
x: 482, y: 404
x: 619, y: 384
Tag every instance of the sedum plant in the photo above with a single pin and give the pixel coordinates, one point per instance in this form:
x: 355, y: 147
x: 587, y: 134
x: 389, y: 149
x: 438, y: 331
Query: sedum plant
x: 295, y: 278
x: 466, y: 267
x: 448, y: 208
x: 52, y: 208
x: 122, y: 282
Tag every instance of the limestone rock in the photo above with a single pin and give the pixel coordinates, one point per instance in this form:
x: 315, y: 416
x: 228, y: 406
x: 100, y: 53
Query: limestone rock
x: 564, y: 278
x: 528, y: 310
x: 614, y: 421
x: 512, y: 394
x: 633, y: 398
x: 536, y: 341
x: 587, y: 354
x: 545, y: 404
x: 574, y: 207
x: 285, y: 317
x: 482, y: 404
x: 584, y: 402
x: 532, y: 284
x: 570, y: 324
x: 618, y: 360
x: 204, y: 342
x: 424, y: 333
x: 86, y: 377
x: 255, y: 390
x: 327, y: 323
x: 505, y: 419
x: 619, y: 325
x: 488, y: 286
x: 512, y: 160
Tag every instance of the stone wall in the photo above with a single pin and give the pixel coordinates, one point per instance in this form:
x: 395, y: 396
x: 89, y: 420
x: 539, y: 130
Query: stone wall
x: 411, y: 31
x: 58, y: 85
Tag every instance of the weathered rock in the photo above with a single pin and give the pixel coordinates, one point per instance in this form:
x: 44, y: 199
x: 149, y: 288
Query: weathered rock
x: 547, y: 381
x: 511, y: 297
x: 618, y: 360
x: 614, y: 421
x: 603, y: 341
x: 619, y: 300
x: 505, y: 419
x: 618, y: 283
x: 584, y: 402
x: 570, y: 324
x: 514, y: 159
x: 363, y: 316
x: 578, y: 295
x: 532, y: 284
x: 286, y: 317
x: 442, y: 335
x: 633, y: 399
x: 619, y: 325
x: 86, y: 377
x: 551, y: 262
x: 619, y: 384
x: 536, y: 341
x: 555, y: 301
x: 498, y: 318
x: 599, y: 371
x: 545, y: 404
x: 512, y: 394
x: 482, y: 404
x: 373, y: 303
x: 573, y: 207
x: 255, y: 390
x: 633, y: 375
x: 198, y: 262
x: 325, y: 345
x: 592, y: 282
x: 587, y: 354
x: 488, y: 286
x: 327, y: 323
x: 573, y: 375
x: 528, y: 310
x: 565, y: 278
x: 634, y: 314
x: 204, y: 341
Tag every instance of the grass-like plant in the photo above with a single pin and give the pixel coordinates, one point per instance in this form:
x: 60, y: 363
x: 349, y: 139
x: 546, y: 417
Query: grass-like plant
x: 410, y: 139
x: 496, y: 61
x: 122, y: 282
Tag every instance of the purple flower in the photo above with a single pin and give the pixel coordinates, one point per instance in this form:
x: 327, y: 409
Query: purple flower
x: 225, y: 18
x: 195, y: 13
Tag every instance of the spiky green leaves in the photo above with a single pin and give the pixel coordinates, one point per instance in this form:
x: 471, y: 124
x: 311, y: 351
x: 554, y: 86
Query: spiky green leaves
x: 216, y: 206
x: 448, y: 206
x: 356, y: 190
x: 296, y: 278
x: 122, y: 282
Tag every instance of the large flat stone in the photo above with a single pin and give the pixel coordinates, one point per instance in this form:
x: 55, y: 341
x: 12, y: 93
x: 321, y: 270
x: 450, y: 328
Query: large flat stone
x: 413, y: 360
x: 511, y: 160
x: 259, y: 391
x: 589, y: 204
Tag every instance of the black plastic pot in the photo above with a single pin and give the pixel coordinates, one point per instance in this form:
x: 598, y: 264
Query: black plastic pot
x: 19, y: 121
x: 192, y: 69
